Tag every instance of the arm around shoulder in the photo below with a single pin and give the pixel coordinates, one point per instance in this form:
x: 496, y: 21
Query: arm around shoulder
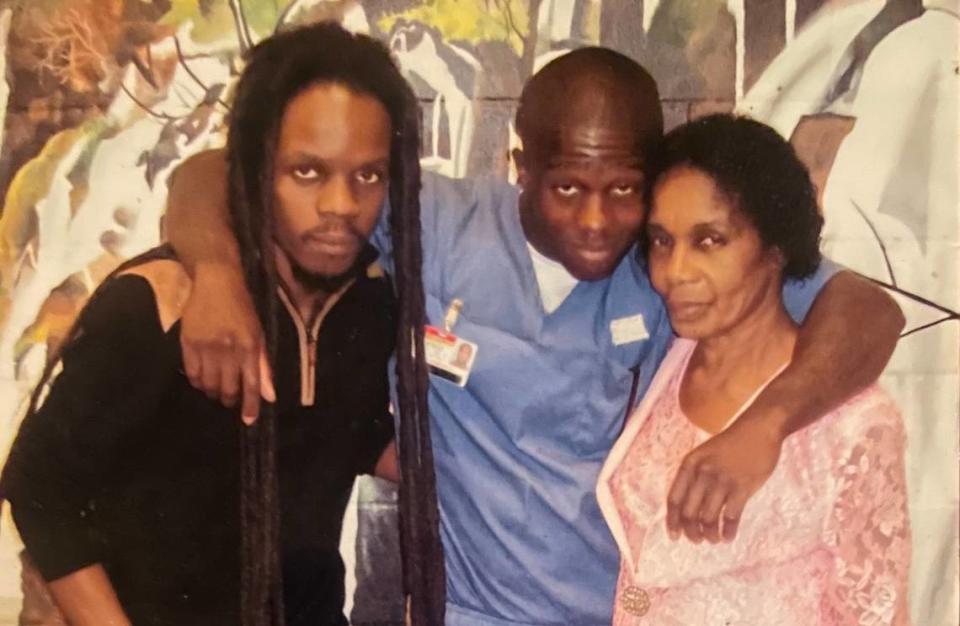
x: 198, y: 215
x: 221, y: 335
x: 844, y: 343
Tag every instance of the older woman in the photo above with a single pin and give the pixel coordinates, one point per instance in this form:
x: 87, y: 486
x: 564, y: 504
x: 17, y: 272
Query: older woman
x: 826, y: 539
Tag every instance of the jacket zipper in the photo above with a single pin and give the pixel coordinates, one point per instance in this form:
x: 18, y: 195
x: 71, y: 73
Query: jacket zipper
x: 307, y: 340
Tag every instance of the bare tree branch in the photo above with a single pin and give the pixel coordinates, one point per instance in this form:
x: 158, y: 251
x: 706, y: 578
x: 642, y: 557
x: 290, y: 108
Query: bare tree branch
x: 183, y: 63
x: 530, y: 41
x: 506, y: 9
x: 147, y: 109
x: 240, y: 22
x: 285, y: 15
x: 883, y: 248
x: 929, y: 325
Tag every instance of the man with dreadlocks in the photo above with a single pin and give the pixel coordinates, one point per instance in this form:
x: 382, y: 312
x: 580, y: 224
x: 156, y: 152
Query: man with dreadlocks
x: 141, y: 500
x: 545, y: 282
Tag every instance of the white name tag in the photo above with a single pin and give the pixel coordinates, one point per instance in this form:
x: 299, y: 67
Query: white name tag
x: 448, y: 356
x: 628, y: 330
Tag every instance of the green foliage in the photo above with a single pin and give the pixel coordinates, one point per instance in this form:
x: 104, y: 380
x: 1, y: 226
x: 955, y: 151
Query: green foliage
x: 262, y: 15
x: 473, y: 21
x: 213, y: 20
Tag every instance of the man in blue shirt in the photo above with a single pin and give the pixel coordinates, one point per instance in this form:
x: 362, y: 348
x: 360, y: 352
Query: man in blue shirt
x: 544, y: 280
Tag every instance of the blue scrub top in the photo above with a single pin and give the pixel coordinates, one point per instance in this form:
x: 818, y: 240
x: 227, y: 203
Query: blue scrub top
x: 518, y: 450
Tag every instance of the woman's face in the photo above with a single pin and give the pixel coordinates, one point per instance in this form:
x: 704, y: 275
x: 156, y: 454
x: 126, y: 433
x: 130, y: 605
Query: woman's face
x: 706, y: 259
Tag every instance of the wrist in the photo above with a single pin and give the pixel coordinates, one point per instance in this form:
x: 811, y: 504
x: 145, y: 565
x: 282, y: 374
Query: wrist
x: 771, y: 424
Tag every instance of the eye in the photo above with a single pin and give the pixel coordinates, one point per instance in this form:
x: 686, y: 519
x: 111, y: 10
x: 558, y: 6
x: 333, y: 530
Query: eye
x: 622, y: 191
x: 566, y: 190
x: 658, y: 240
x: 305, y: 173
x: 711, y: 241
x: 369, y: 177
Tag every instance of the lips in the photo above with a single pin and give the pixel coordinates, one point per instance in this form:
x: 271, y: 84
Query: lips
x: 686, y: 311
x: 594, y: 253
x: 331, y: 243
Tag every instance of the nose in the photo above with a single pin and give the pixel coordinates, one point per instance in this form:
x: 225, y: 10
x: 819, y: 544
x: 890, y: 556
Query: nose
x: 680, y: 266
x: 591, y: 217
x: 337, y: 197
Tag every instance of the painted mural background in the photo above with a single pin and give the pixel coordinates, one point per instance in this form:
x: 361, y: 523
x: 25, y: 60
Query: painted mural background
x: 103, y: 98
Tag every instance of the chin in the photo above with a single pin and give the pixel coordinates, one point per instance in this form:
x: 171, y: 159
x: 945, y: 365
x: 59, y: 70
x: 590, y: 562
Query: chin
x: 323, y: 273
x: 695, y: 330
x: 331, y: 269
x: 591, y: 271
x: 324, y: 265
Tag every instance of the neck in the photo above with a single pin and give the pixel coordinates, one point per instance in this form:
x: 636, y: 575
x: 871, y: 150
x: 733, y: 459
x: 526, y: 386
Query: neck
x: 738, y: 349
x: 307, y: 301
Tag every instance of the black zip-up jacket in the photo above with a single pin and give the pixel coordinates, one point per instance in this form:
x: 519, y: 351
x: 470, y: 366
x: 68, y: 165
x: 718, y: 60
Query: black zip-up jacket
x: 127, y: 465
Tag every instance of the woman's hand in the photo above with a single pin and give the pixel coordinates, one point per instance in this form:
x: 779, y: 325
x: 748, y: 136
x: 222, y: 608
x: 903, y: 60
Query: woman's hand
x: 716, y: 479
x: 222, y: 344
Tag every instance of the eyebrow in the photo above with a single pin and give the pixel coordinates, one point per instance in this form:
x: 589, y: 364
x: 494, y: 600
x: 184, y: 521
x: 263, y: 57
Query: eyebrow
x: 300, y: 156
x: 714, y: 225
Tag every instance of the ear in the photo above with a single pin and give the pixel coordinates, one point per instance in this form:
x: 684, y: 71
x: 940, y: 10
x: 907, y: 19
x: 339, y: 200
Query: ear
x: 519, y: 159
x: 777, y: 258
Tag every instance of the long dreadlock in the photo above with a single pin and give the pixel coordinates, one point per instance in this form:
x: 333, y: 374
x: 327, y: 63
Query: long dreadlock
x: 278, y: 69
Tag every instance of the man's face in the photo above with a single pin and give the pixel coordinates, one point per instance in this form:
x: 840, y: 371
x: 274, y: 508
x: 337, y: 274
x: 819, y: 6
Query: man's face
x: 330, y: 178
x: 582, y: 202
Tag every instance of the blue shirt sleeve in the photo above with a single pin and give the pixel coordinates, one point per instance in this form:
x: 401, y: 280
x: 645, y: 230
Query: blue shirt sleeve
x: 381, y: 237
x: 798, y: 295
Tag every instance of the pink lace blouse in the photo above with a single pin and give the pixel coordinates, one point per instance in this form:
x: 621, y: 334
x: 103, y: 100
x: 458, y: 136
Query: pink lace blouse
x: 825, y: 541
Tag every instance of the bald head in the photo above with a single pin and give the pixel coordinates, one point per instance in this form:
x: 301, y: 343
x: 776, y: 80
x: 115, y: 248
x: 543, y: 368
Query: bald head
x: 588, y: 121
x: 592, y: 90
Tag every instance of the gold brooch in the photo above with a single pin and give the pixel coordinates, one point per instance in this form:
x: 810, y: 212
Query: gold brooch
x: 635, y: 601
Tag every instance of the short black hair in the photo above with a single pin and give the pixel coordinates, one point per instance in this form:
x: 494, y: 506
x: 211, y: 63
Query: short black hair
x: 278, y: 69
x: 760, y: 174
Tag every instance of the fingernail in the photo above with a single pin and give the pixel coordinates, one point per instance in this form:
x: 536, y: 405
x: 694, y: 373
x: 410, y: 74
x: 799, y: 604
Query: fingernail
x: 248, y: 420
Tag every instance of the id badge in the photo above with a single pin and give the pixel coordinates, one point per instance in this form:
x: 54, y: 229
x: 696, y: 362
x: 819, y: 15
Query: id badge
x: 448, y: 356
